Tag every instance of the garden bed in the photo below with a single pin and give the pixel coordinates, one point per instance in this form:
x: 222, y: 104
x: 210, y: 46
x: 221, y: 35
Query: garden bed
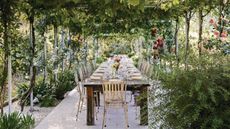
x: 38, y: 114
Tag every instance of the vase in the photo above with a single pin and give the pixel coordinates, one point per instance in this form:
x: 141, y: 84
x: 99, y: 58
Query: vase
x: 114, y: 73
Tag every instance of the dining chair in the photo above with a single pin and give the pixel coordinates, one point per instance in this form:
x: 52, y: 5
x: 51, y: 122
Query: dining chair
x: 147, y: 68
x: 143, y: 66
x: 114, y: 97
x: 79, y: 79
x: 89, y: 71
x: 80, y: 92
x: 94, y: 65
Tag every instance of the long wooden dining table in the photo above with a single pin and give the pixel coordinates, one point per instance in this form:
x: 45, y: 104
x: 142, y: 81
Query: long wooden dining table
x: 136, y: 84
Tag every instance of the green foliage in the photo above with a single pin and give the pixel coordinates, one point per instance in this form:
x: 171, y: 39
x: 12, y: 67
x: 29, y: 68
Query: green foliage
x: 21, y: 89
x: 48, y: 94
x: 20, y: 57
x: 135, y: 60
x: 216, y: 44
x: 64, y: 84
x: 44, y: 92
x: 100, y: 60
x: 16, y: 121
x: 48, y: 100
x: 198, y: 98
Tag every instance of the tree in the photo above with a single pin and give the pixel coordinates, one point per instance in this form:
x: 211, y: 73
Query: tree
x: 29, y: 8
x: 7, y: 14
x: 204, y: 9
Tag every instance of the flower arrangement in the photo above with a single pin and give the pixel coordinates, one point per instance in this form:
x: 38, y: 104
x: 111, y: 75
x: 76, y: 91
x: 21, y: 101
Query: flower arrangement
x: 115, y: 66
x: 117, y: 59
x: 116, y: 63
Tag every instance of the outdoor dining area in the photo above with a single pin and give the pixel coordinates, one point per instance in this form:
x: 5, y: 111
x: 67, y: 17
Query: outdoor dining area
x: 112, y: 85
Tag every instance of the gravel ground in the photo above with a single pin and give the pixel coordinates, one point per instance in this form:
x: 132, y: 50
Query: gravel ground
x: 39, y: 112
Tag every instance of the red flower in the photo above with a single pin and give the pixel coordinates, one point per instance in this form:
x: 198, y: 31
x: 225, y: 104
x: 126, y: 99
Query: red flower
x: 160, y: 42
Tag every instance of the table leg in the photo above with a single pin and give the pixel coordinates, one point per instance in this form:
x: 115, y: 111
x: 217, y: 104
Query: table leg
x: 98, y: 96
x: 90, y: 106
x: 144, y: 106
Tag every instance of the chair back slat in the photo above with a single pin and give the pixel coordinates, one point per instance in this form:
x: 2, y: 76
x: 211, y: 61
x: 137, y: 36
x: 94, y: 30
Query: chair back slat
x: 114, y: 91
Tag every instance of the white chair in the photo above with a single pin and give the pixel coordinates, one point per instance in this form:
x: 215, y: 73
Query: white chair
x: 81, y: 91
x: 114, y: 97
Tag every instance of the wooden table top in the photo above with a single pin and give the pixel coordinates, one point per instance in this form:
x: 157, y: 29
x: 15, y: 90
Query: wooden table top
x: 126, y: 72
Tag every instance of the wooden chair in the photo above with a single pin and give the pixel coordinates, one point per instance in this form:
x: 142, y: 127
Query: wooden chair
x: 114, y: 97
x: 89, y: 71
x: 80, y: 92
x: 79, y: 78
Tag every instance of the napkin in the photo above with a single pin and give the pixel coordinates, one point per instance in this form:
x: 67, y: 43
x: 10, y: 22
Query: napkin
x: 99, y: 71
x: 98, y: 74
x: 136, y: 74
x: 95, y: 78
x: 136, y: 78
x: 114, y: 80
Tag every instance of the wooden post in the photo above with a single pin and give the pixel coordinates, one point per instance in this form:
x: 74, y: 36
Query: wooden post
x: 144, y: 106
x: 90, y: 106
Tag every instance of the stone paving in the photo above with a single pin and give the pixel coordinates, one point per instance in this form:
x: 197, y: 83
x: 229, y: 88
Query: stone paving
x: 64, y: 116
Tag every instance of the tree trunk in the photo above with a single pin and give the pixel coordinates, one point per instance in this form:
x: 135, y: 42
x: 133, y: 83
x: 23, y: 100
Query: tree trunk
x: 70, y: 53
x: 97, y: 46
x: 63, y: 47
x: 86, y: 51
x: 3, y: 82
x: 94, y: 49
x: 176, y: 40
x: 32, y: 69
x: 200, y: 31
x: 55, y: 51
x: 9, y: 80
x: 187, y: 27
x: 220, y: 21
x: 45, y: 58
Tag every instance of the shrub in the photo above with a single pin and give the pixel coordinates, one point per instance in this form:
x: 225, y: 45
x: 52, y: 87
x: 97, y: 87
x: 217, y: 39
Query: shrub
x: 64, y: 84
x: 48, y: 100
x: 99, y: 60
x: 44, y: 92
x: 135, y: 59
x: 21, y: 89
x: 198, y: 98
x: 16, y: 121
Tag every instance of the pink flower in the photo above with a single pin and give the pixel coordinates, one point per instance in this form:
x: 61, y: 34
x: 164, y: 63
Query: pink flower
x: 216, y: 34
x: 211, y: 21
x: 224, y: 34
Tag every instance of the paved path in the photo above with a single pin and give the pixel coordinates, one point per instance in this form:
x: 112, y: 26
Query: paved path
x: 63, y: 117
